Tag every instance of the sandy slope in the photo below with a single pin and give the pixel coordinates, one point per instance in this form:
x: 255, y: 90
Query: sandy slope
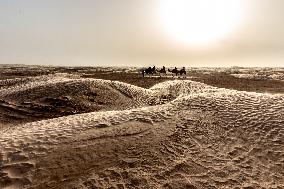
x: 56, y: 95
x: 177, y: 134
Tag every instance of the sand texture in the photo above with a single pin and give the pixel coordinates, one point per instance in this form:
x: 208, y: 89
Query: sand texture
x: 65, y: 131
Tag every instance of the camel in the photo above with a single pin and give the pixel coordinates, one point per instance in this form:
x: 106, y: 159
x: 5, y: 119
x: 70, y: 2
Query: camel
x: 163, y: 70
x: 176, y: 71
x: 149, y: 71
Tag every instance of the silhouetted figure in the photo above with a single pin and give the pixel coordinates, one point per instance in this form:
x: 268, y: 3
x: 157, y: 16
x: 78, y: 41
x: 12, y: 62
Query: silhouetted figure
x: 149, y: 71
x: 182, y: 71
x: 176, y: 71
x: 163, y: 70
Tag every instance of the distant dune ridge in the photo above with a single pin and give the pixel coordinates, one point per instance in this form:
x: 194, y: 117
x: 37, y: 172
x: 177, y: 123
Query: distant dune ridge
x: 177, y: 134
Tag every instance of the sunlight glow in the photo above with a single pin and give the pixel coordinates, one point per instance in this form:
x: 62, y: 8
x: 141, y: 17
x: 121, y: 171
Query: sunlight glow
x: 199, y: 22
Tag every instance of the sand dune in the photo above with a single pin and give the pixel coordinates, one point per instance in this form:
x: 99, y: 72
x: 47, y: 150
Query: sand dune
x: 177, y: 134
x: 59, y: 95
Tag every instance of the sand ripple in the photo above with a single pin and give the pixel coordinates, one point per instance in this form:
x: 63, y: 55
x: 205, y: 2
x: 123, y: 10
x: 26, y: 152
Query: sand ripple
x: 177, y: 134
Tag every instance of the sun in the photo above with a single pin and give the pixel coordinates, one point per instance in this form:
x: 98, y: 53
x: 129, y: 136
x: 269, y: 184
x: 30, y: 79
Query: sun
x: 199, y: 22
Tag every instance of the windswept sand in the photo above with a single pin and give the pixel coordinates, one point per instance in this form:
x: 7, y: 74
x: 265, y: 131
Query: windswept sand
x: 176, y: 134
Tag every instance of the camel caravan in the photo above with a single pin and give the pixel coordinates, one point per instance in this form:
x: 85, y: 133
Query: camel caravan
x: 174, y: 72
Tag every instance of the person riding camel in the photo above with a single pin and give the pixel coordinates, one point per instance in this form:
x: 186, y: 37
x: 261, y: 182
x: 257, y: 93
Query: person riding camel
x: 175, y: 70
x: 182, y: 71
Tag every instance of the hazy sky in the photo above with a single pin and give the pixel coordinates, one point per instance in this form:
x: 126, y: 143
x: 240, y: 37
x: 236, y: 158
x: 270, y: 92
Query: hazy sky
x: 129, y: 33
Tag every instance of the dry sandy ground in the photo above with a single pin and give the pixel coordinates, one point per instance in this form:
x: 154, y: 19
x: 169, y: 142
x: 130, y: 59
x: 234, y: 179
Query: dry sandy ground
x: 176, y: 134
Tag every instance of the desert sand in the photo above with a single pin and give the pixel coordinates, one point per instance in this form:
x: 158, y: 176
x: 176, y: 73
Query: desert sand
x: 79, y: 130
